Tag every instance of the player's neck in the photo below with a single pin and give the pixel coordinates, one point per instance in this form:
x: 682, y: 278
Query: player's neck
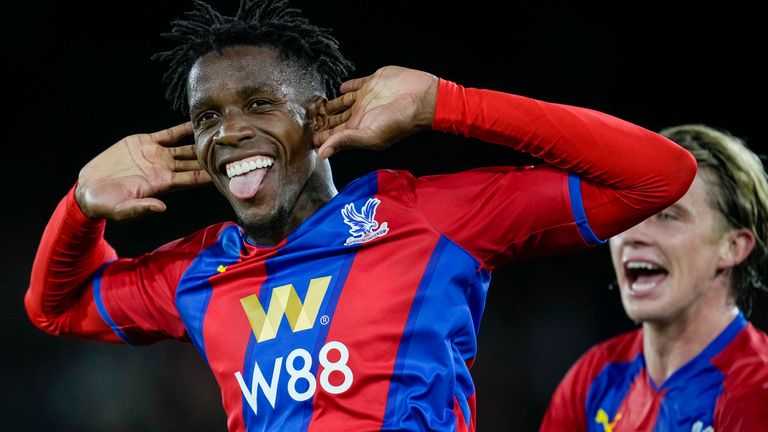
x: 315, y: 193
x: 667, y: 346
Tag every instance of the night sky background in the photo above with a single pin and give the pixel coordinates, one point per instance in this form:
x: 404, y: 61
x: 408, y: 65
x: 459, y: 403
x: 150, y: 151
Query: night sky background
x: 79, y: 77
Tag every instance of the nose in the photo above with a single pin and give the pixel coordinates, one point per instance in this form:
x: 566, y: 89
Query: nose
x: 233, y: 129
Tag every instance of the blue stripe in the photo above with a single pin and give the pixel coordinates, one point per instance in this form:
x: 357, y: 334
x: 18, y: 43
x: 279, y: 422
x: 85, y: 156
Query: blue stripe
x: 103, y: 310
x: 579, y: 215
x: 609, y: 389
x: 315, y: 249
x: 725, y: 337
x: 440, y: 336
x: 691, y: 392
x: 194, y: 290
x: 332, y: 299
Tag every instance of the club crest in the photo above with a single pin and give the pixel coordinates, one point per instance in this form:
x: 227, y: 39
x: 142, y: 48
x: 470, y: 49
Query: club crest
x: 364, y: 226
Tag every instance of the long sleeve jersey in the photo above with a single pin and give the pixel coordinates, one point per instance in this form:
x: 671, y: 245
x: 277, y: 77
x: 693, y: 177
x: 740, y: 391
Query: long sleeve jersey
x: 366, y: 316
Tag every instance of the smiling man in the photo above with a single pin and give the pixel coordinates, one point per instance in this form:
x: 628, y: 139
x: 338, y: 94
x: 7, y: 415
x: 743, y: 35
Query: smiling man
x: 352, y: 310
x: 685, y: 274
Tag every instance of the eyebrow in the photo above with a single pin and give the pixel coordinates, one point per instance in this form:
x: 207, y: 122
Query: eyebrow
x: 243, y: 93
x: 264, y: 88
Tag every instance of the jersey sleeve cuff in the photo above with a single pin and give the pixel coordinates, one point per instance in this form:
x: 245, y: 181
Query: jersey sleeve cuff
x: 76, y: 215
x: 579, y: 214
x: 450, y: 108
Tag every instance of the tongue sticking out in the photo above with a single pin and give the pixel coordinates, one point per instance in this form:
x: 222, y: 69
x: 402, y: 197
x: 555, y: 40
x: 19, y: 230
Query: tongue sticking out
x: 245, y: 186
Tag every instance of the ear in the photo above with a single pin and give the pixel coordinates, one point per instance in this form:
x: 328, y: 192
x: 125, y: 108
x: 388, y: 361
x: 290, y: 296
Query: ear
x: 736, y: 247
x: 317, y: 113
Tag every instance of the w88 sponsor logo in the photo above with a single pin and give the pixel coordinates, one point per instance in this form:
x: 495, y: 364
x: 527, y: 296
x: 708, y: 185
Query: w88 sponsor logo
x: 302, y: 373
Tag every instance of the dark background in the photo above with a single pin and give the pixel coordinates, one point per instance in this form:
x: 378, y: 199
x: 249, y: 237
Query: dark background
x: 79, y: 77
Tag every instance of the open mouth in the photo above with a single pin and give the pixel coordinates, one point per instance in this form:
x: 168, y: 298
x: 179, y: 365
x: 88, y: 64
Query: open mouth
x: 247, y: 175
x: 644, y: 275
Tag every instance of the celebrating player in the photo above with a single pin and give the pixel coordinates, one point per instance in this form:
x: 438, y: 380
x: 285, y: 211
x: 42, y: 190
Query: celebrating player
x: 350, y: 310
x: 686, y: 274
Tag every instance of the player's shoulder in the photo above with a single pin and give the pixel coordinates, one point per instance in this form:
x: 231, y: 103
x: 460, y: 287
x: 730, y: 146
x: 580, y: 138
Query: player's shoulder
x: 757, y: 340
x: 620, y: 348
x: 743, y: 404
x: 459, y: 179
x: 745, y: 359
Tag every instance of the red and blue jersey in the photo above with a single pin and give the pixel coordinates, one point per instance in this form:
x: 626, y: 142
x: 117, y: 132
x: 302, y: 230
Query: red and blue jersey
x: 346, y: 326
x: 366, y: 316
x: 723, y: 388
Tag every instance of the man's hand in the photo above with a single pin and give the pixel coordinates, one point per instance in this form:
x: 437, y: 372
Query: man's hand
x: 121, y: 182
x: 376, y: 111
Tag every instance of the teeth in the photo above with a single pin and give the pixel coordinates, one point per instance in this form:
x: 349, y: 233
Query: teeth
x: 643, y: 286
x: 641, y: 265
x: 244, y: 166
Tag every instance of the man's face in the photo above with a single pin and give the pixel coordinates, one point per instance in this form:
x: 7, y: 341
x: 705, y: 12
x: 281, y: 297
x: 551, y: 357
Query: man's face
x: 666, y: 266
x: 248, y: 111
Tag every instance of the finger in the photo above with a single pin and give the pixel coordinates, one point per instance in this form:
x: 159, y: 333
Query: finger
x: 172, y: 134
x: 186, y: 165
x: 341, y: 103
x: 355, y: 84
x: 186, y: 152
x: 322, y: 136
x: 190, y: 178
x: 134, y: 208
x: 350, y: 138
x: 338, y: 119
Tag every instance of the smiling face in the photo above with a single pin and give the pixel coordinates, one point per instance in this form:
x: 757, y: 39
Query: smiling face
x: 248, y: 108
x: 669, y: 266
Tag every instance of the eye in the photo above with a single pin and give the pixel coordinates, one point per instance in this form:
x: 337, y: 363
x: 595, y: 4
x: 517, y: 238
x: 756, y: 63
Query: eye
x: 666, y: 215
x: 259, y: 103
x: 205, y: 117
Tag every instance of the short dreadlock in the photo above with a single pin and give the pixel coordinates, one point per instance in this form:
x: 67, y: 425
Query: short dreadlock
x: 259, y: 23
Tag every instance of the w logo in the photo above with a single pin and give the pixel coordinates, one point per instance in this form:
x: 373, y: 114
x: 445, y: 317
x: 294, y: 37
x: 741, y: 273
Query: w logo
x: 285, y: 301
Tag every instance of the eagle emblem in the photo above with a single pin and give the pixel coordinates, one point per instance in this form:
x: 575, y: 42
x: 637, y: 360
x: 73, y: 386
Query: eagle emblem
x: 363, y: 225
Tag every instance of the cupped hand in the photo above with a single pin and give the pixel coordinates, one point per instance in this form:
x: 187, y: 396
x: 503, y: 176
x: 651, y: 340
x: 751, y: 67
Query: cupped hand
x: 121, y: 183
x: 375, y: 111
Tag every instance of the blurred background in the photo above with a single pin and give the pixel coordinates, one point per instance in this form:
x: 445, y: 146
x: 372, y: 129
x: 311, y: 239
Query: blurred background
x: 79, y: 77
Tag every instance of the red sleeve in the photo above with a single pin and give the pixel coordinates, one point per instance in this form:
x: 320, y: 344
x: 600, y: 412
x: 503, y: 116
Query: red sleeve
x: 620, y: 173
x: 79, y: 288
x: 59, y: 300
x: 567, y: 407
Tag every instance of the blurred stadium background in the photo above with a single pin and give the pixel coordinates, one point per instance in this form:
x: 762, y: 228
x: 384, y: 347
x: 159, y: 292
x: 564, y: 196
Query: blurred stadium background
x: 81, y: 79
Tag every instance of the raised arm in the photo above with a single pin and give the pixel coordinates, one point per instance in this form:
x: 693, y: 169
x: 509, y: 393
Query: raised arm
x: 120, y: 184
x: 123, y: 181
x: 621, y: 172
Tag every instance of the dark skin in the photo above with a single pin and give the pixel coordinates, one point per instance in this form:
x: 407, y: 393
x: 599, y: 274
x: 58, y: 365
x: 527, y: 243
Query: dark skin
x: 248, y: 102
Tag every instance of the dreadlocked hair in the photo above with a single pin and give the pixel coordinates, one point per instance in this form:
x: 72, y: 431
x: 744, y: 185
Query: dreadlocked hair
x: 259, y: 23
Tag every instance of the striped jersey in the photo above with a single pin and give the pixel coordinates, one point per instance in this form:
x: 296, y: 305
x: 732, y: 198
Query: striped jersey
x: 723, y: 388
x: 366, y: 316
